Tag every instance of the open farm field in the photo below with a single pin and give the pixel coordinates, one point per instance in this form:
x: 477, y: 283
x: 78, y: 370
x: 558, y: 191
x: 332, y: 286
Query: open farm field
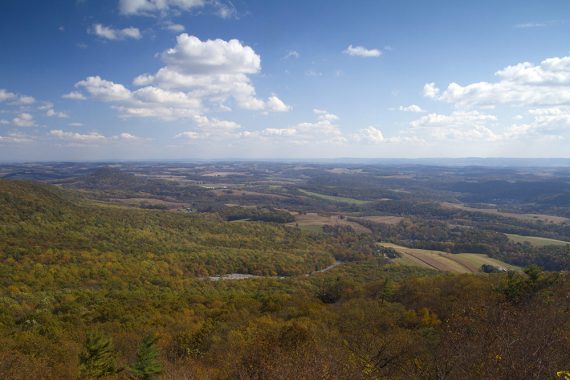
x: 315, y: 219
x: 443, y: 261
x: 525, y: 217
x: 333, y: 198
x: 537, y: 241
x: 386, y: 219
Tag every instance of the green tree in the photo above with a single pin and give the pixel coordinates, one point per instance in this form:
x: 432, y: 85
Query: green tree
x: 98, y: 358
x: 148, y: 362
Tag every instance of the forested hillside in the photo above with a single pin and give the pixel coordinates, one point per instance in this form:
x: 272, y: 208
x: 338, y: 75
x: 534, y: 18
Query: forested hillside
x: 97, y: 290
x: 39, y: 222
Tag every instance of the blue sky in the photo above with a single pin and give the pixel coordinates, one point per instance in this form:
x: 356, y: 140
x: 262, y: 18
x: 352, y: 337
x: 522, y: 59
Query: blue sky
x: 144, y: 79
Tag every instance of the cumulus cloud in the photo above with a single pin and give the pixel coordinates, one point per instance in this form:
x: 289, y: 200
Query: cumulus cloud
x: 145, y: 7
x: 74, y: 95
x: 48, y: 107
x: 459, y: 125
x: 211, y: 128
x: 104, y: 90
x: 6, y: 95
x: 168, y: 7
x: 193, y: 56
x: 24, y: 120
x: 323, y: 130
x: 125, y: 136
x: 77, y: 137
x: 93, y: 137
x: 197, y: 76
x: 374, y: 136
x: 16, y: 138
x: 542, y: 89
x: 553, y: 122
x: 430, y: 90
x: 279, y: 132
x: 205, y: 122
x: 411, y: 108
x: 113, y: 34
x: 275, y: 104
x: 176, y: 28
x: 361, y: 51
x: 53, y: 113
x: 522, y: 84
x: 17, y: 99
x: 26, y: 100
x: 370, y: 134
x: 189, y: 135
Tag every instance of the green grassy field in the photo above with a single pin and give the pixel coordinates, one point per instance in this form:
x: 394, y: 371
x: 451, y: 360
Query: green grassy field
x: 333, y: 198
x: 311, y: 228
x: 443, y: 261
x: 536, y: 240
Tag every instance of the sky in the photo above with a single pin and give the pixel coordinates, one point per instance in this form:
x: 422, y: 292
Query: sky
x: 241, y: 79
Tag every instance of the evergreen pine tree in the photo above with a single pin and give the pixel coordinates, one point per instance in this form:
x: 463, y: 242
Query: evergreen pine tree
x: 98, y: 358
x: 148, y: 363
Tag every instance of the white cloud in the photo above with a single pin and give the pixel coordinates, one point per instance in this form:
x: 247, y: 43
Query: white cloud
x: 459, y: 125
x: 326, y: 131
x: 142, y: 7
x: 275, y: 104
x: 549, y: 121
x: 205, y: 122
x: 292, y: 54
x: 522, y: 84
x: 361, y: 51
x: 211, y: 128
x: 373, y: 135
x: 104, y: 90
x: 193, y: 56
x: 430, y: 90
x: 176, y: 28
x: 113, y: 34
x: 74, y: 95
x: 196, y: 72
x: 528, y: 25
x: 323, y: 130
x: 16, y: 138
x: 279, y: 132
x: 543, y: 123
x: 26, y: 100
x: 7, y: 96
x: 77, y: 137
x: 24, y: 120
x: 370, y: 134
x: 75, y: 125
x: 323, y: 115
x: 125, y: 136
x: 51, y: 112
x: 224, y: 9
x: 173, y: 7
x: 188, y: 135
x: 411, y: 108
